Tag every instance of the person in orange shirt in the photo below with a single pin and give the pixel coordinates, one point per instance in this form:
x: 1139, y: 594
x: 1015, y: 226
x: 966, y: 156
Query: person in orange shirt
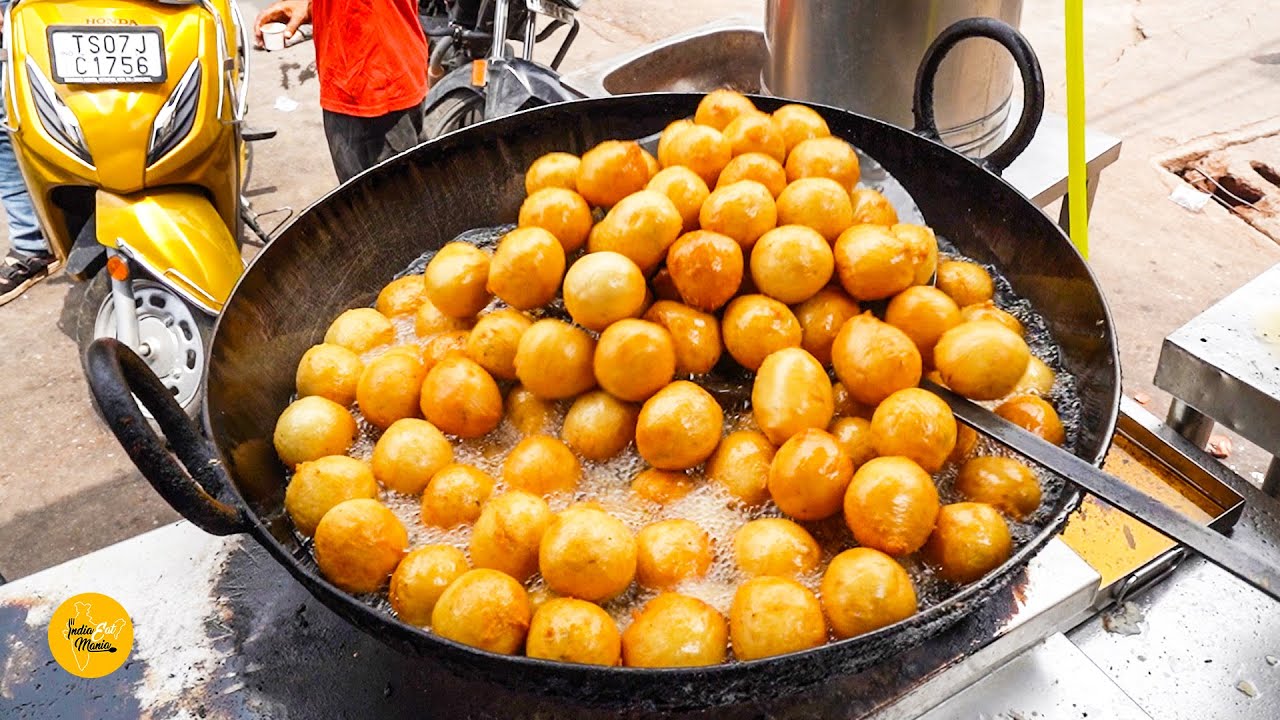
x: 371, y: 58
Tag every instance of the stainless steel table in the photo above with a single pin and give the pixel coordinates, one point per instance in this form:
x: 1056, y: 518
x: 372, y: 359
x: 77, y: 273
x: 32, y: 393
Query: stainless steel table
x: 1224, y: 366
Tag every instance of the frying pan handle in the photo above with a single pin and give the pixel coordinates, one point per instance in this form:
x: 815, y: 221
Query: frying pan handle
x: 1028, y: 66
x: 116, y: 375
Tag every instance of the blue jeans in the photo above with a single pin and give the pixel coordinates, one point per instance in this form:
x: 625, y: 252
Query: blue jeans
x: 24, y: 230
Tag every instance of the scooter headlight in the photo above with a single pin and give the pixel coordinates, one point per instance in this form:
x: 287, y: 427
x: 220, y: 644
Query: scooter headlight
x: 55, y: 116
x: 177, y: 116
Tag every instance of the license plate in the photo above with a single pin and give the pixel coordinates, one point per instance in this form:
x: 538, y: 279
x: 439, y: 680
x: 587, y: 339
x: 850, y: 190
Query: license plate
x: 99, y: 56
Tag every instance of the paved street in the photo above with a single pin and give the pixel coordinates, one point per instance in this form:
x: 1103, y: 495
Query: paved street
x: 1161, y: 76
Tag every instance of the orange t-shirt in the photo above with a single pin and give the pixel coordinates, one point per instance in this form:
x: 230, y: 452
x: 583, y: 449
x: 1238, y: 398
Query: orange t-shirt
x: 371, y: 55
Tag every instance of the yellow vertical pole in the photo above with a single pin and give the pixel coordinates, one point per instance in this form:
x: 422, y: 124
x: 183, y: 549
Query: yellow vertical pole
x: 1077, y: 196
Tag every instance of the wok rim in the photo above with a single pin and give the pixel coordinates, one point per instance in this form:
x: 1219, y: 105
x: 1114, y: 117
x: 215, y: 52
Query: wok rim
x: 994, y: 582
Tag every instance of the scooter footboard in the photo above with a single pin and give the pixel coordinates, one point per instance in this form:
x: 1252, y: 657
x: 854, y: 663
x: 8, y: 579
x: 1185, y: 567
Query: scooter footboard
x: 178, y: 237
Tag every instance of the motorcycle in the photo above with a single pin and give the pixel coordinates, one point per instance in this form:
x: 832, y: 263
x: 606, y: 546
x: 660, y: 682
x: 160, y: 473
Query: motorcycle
x: 126, y: 118
x: 477, y: 78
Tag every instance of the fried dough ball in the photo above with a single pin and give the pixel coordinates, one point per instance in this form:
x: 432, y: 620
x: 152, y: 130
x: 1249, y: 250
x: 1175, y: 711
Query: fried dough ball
x: 741, y: 464
x: 493, y: 341
x: 634, y: 359
x: 611, y: 171
x: 1003, y: 483
x: 706, y: 268
x: 870, y: 207
x: 668, y: 133
x: 791, y: 393
x: 874, y: 359
x: 602, y: 288
x: 988, y: 311
x: 922, y: 245
x: 971, y: 539
x: 923, y: 313
x: 484, y: 609
x: 360, y: 330
x: 981, y: 360
x: 651, y: 162
x: 821, y: 318
x: 670, y: 551
x: 320, y: 484
x: 588, y: 554
x: 420, y: 580
x: 775, y: 546
x: 1035, y: 415
x: 541, y: 465
x: 311, y: 428
x: 641, y: 226
x: 846, y: 406
x: 330, y: 371
x: 915, y: 424
x: 853, y: 434
x: 757, y: 166
x: 508, y: 532
x: 743, y: 211
x: 774, y: 616
x: 358, y: 543
x: 828, y: 157
x: 702, y: 149
x: 457, y: 279
x: 809, y: 475
x: 686, y: 191
x: 797, y: 123
x: 561, y: 212
x: 675, y: 631
x: 401, y: 296
x: 527, y: 268
x: 1037, y: 380
x: 967, y: 283
x: 966, y: 443
x: 817, y: 203
x: 388, y: 388
x: 721, y: 107
x: 756, y: 326
x: 598, y: 426
x: 695, y: 335
x: 863, y: 590
x: 755, y: 133
x: 679, y: 427
x: 442, y: 346
x: 553, y: 360
x: 460, y: 398
x: 661, y: 486
x: 530, y: 414
x: 409, y: 454
x: 429, y: 321
x: 455, y: 495
x: 873, y: 263
x: 791, y: 263
x: 574, y: 631
x: 553, y: 170
x: 891, y: 505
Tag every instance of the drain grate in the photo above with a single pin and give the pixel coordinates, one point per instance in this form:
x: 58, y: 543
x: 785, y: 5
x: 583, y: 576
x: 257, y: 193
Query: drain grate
x: 1243, y: 176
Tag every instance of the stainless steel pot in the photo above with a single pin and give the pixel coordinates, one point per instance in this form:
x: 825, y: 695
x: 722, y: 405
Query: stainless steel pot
x: 862, y: 54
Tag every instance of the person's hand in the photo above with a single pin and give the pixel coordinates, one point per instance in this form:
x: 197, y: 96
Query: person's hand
x: 293, y: 13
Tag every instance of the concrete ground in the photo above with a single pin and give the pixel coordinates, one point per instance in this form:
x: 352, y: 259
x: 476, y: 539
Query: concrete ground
x: 1161, y: 76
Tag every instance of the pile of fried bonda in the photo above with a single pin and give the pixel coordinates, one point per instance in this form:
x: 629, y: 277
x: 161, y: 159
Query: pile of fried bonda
x: 745, y: 244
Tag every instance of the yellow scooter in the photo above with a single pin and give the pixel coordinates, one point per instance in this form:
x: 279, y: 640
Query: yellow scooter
x: 126, y: 120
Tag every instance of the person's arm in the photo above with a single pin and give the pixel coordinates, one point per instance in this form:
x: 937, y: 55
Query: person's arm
x: 293, y: 13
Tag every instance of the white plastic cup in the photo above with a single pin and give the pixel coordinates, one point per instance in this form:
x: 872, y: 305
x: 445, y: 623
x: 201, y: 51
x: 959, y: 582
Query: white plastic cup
x: 273, y: 36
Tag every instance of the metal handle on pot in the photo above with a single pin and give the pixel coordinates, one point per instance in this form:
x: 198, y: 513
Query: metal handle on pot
x: 1028, y: 66
x: 116, y: 375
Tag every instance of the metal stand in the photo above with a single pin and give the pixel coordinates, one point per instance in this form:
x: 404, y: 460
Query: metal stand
x: 1271, y: 483
x: 1189, y: 422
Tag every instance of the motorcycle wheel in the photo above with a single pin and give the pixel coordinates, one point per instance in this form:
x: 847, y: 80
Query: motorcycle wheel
x: 458, y: 109
x: 173, y: 335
